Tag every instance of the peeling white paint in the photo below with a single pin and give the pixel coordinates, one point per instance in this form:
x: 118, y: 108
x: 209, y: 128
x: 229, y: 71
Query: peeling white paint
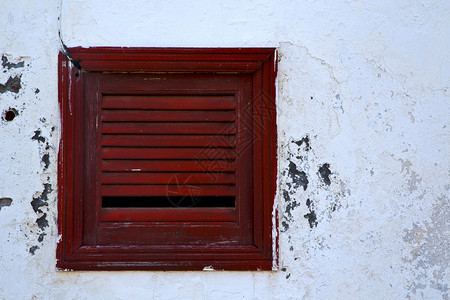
x: 366, y: 81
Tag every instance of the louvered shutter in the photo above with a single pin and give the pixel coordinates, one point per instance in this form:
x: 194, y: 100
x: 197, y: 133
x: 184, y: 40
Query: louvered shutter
x: 167, y: 159
x: 167, y: 150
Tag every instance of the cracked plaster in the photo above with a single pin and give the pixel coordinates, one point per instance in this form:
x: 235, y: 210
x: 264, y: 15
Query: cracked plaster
x: 366, y: 82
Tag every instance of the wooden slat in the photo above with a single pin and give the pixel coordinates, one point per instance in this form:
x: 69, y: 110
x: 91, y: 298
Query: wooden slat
x: 177, y: 234
x: 170, y: 66
x: 188, y: 54
x: 164, y: 115
x: 169, y: 102
x: 168, y: 165
x: 169, y: 128
x: 168, y: 141
x: 167, y: 153
x: 167, y: 178
x: 191, y: 214
x: 164, y: 190
x: 168, y: 84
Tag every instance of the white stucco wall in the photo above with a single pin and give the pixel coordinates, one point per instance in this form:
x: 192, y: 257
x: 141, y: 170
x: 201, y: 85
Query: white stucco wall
x: 363, y: 86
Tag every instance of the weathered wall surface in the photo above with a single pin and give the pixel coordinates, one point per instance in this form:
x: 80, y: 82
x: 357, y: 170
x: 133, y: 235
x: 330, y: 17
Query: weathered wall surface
x: 363, y: 116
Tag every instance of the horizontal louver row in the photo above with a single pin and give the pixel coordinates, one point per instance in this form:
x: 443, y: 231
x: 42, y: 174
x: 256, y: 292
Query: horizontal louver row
x: 168, y: 146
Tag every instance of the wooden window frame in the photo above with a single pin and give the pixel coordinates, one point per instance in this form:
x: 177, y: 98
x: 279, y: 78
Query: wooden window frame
x: 78, y: 251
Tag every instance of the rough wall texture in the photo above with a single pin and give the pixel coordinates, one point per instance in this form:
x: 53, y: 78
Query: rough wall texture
x: 363, y: 110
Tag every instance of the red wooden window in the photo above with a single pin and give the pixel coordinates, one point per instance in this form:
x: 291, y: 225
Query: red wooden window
x: 167, y: 159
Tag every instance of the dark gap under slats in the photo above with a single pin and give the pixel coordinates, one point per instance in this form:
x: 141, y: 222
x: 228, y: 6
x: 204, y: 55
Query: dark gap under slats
x: 168, y: 201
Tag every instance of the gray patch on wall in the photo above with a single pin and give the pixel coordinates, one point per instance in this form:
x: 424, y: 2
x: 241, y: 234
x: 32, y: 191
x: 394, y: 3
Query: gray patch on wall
x: 311, y: 216
x: 299, y: 178
x: 9, y: 65
x: 39, y: 202
x: 296, y: 177
x: 37, y: 136
x: 11, y: 85
x: 303, y: 141
x: 325, y: 173
x: 33, y: 249
x: 5, y: 202
x: 431, y: 242
x: 290, y: 206
x: 42, y: 222
x: 46, y: 160
x: 42, y: 199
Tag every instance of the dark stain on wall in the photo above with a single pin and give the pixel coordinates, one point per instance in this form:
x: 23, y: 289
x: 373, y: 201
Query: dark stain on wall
x: 291, y: 205
x: 285, y: 226
x: 46, y: 160
x: 303, y: 141
x: 5, y: 202
x: 38, y: 203
x: 41, y: 237
x: 299, y: 172
x: 295, y: 177
x: 325, y: 173
x: 284, y: 223
x: 33, y: 249
x: 42, y: 222
x: 12, y: 85
x: 37, y: 136
x: 42, y: 199
x: 311, y: 216
x: 9, y: 65
x: 299, y: 178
